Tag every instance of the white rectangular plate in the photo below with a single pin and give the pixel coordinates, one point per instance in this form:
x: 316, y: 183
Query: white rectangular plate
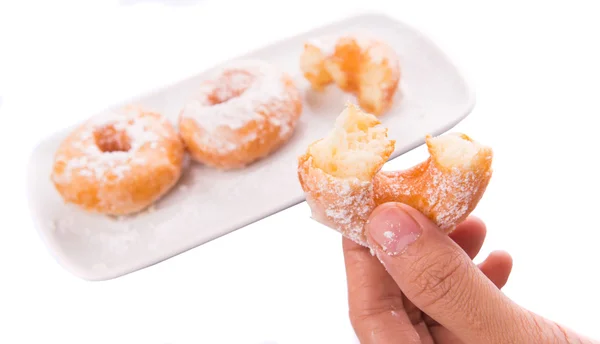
x: 208, y: 203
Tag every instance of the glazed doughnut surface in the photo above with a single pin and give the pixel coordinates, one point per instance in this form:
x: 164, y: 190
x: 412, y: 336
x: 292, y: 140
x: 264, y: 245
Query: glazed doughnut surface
x: 119, y: 162
x: 242, y: 113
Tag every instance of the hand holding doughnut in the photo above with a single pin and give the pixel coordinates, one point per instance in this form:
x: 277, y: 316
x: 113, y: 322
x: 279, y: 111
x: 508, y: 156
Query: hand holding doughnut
x: 342, y: 182
x: 422, y: 286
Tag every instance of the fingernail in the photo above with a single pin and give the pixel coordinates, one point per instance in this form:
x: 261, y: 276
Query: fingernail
x: 393, y: 229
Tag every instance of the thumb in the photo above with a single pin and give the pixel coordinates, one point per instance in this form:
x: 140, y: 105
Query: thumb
x: 440, y: 279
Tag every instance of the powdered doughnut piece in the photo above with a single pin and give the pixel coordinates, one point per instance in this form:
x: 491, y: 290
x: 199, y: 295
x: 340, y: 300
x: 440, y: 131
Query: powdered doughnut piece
x: 341, y: 176
x: 243, y: 113
x: 119, y: 162
x: 359, y: 64
x: 447, y: 186
x: 336, y: 172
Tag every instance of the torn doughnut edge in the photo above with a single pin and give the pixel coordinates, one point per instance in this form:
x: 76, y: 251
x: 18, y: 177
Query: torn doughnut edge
x: 337, y: 171
x: 358, y: 146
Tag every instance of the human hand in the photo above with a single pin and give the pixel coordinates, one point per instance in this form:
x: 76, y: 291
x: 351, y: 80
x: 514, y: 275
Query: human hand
x: 425, y: 288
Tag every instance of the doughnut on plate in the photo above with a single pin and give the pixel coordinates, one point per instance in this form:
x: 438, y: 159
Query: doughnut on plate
x: 208, y: 203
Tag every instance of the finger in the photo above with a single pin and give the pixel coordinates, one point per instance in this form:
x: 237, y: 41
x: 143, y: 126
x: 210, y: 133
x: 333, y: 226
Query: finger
x: 374, y: 299
x: 497, y: 267
x: 470, y: 236
x: 439, y: 277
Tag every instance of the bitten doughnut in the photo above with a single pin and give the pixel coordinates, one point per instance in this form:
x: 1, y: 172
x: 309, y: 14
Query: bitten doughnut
x: 242, y: 114
x: 362, y: 65
x: 340, y: 175
x: 118, y: 163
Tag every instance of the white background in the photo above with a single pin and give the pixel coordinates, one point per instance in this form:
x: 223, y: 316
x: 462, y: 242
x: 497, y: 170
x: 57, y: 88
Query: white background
x: 534, y: 67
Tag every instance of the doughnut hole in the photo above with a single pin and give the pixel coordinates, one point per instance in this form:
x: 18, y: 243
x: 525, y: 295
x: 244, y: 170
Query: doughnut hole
x: 232, y: 83
x: 357, y: 146
x: 454, y: 150
x: 109, y: 139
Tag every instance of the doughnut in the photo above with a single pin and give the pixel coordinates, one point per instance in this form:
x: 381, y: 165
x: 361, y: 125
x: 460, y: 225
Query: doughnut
x: 118, y: 162
x: 242, y: 113
x: 358, y: 64
x: 341, y: 178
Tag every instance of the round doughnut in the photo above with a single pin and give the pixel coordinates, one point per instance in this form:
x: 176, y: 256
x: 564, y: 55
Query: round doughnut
x: 340, y: 175
x: 362, y: 65
x: 119, y: 162
x: 243, y: 113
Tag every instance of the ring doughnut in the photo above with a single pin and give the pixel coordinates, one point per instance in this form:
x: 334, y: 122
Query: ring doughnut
x: 340, y: 175
x: 118, y: 163
x: 241, y: 114
x: 361, y: 65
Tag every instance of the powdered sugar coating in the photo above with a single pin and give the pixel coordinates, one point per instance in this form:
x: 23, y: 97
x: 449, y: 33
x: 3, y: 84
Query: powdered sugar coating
x: 445, y: 195
x: 118, y: 162
x: 378, y: 51
x: 342, y: 204
x: 243, y: 104
x: 262, y: 86
x: 93, y: 162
